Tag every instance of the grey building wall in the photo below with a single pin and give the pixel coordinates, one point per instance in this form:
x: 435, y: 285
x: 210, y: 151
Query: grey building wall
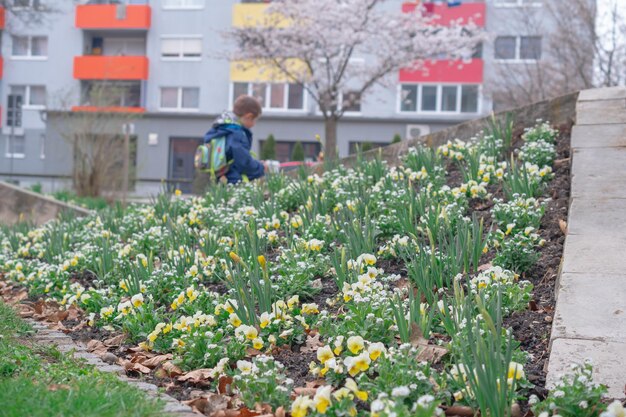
x: 48, y: 158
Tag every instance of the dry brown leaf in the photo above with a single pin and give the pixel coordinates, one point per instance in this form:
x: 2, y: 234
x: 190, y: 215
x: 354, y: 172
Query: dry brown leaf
x: 209, y: 405
x: 280, y: 412
x: 251, y: 352
x: 135, y: 367
x: 460, y: 411
x: 315, y: 384
x: 160, y: 374
x: 25, y: 311
x: 172, y: 370
x: 198, y: 376
x: 78, y: 326
x: 115, y: 341
x: 197, y: 404
x: 563, y: 226
x: 60, y: 327
x: 58, y: 316
x: 73, y: 313
x: 305, y: 391
x: 157, y: 360
x: 484, y: 267
x: 223, y: 384
x: 312, y: 343
x: 97, y: 347
x: 429, y: 353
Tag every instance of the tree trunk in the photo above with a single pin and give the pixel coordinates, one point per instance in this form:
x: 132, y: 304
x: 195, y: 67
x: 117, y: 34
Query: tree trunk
x: 330, y: 144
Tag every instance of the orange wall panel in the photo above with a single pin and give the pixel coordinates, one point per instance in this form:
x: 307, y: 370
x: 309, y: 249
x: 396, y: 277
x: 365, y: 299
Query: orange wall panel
x: 111, y: 67
x: 2, y: 17
x: 446, y: 71
x: 104, y: 16
x: 95, y: 109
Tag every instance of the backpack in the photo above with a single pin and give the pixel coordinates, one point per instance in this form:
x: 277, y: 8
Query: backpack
x: 210, y: 157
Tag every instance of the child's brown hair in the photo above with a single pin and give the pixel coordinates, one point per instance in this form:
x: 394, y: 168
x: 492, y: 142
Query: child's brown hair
x: 246, y: 105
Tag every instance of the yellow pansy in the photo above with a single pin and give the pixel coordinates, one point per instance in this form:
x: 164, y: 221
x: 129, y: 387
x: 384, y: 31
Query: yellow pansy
x: 352, y: 386
x: 322, y: 399
x: 324, y: 354
x: 355, y: 344
x: 300, y: 406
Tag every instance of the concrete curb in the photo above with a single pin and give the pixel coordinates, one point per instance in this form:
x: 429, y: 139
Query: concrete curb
x: 18, y: 204
x: 590, y: 314
x: 65, y: 344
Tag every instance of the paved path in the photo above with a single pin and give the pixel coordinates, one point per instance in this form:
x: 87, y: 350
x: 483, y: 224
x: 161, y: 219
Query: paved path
x: 590, y: 317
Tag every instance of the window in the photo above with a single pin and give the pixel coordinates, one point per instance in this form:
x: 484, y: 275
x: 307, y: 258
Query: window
x: 33, y: 96
x: 30, y: 47
x: 284, y: 150
x: 26, y: 4
x: 428, y: 98
x: 275, y: 96
x: 112, y: 94
x: 15, y: 147
x: 183, y: 4
x: 506, y: 47
x: 351, y: 102
x: 180, y: 98
x: 181, y: 48
x: 530, y: 47
x: 518, y: 48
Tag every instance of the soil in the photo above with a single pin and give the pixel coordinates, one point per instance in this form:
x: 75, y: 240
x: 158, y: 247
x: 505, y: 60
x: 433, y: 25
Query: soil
x: 531, y: 327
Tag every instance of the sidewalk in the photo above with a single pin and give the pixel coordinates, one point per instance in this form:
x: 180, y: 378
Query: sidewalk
x: 590, y: 317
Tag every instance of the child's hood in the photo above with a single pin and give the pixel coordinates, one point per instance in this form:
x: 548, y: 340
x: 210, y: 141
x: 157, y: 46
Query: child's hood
x: 227, y: 118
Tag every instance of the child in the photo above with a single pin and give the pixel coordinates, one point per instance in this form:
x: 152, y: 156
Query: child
x: 236, y: 127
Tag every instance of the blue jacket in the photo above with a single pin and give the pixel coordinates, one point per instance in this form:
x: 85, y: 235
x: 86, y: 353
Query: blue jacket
x: 238, y: 145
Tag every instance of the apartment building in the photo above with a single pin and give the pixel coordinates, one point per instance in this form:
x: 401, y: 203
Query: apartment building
x: 161, y: 60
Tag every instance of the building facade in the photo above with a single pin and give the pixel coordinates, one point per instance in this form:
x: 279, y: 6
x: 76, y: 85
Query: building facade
x: 162, y: 61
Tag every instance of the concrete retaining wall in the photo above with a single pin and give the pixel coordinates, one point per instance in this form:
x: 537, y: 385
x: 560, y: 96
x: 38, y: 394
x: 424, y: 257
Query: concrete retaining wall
x: 18, y: 204
x: 558, y: 111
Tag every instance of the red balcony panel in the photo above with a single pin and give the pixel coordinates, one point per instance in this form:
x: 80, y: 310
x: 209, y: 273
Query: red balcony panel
x: 105, y: 16
x: 444, y: 14
x: 111, y: 67
x: 1, y: 67
x: 446, y: 71
x: 2, y: 17
x: 110, y: 109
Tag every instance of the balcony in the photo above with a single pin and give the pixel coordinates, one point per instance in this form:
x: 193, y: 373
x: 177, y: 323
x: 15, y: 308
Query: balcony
x: 2, y: 17
x: 444, y: 14
x: 109, y: 109
x: 111, y: 67
x: 112, y: 16
x: 446, y: 71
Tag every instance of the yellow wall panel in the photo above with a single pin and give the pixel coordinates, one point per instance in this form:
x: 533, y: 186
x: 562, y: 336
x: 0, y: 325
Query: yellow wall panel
x: 249, y: 14
x: 254, y: 72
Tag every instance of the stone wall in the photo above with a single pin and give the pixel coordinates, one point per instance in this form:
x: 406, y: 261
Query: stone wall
x: 558, y: 111
x: 18, y: 204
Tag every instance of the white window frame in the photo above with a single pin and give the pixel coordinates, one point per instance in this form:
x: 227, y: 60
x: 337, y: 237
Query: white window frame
x: 459, y: 97
x: 26, y: 105
x: 182, y: 38
x: 178, y: 109
x: 8, y: 154
x: 192, y: 7
x: 266, y: 108
x: 30, y: 6
x: 518, y: 3
x: 29, y: 56
x: 518, y: 49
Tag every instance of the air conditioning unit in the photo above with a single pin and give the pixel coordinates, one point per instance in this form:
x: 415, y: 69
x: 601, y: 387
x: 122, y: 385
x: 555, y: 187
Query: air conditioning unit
x: 415, y: 131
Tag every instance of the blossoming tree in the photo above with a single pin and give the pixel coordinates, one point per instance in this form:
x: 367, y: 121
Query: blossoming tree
x: 330, y: 46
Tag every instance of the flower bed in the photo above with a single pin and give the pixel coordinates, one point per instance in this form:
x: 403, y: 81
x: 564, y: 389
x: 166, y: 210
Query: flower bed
x: 383, y: 291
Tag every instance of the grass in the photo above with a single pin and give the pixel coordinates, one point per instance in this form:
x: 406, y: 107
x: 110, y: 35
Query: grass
x: 40, y: 381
